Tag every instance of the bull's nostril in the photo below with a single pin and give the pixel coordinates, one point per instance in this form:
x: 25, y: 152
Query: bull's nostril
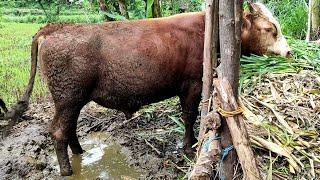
x: 289, y: 54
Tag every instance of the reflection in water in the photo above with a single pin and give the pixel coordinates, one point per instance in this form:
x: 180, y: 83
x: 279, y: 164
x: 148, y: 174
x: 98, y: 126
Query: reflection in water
x: 101, y: 162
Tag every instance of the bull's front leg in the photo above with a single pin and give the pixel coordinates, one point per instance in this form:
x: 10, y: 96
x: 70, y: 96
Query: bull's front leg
x: 190, y: 100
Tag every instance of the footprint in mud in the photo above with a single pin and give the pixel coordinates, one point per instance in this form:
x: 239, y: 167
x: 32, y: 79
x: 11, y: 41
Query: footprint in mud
x: 101, y: 160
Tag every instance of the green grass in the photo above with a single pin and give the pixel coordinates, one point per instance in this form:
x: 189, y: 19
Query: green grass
x: 15, y: 43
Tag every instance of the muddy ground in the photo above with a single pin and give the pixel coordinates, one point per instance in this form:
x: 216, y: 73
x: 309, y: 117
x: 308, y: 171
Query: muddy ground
x: 151, y: 143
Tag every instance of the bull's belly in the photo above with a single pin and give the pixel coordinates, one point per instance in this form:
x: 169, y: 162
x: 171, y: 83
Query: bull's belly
x: 130, y: 101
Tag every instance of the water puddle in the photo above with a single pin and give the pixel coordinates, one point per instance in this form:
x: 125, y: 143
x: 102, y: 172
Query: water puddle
x: 101, y: 161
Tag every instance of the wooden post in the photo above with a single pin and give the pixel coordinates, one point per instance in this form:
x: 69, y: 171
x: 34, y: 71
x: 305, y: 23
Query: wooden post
x: 208, y: 146
x: 228, y: 68
x: 209, y: 57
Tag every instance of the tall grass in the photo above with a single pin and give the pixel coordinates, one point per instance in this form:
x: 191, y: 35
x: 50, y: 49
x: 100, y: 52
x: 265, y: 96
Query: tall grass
x: 292, y: 15
x: 15, y: 41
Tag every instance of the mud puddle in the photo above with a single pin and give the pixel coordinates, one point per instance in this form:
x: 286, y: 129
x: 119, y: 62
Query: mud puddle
x: 102, y: 160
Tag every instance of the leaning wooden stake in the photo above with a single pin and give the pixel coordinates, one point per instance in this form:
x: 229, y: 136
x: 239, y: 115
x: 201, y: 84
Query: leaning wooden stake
x: 237, y: 129
x: 208, y: 146
x: 209, y: 57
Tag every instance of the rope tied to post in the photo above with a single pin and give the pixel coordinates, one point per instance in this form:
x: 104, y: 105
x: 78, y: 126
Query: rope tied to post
x: 226, y: 151
x: 225, y: 113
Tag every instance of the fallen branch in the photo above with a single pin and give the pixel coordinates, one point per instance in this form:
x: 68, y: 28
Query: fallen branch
x: 152, y: 147
x: 123, y: 123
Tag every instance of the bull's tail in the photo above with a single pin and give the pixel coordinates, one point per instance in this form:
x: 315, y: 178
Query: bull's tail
x: 3, y: 106
x: 22, y: 105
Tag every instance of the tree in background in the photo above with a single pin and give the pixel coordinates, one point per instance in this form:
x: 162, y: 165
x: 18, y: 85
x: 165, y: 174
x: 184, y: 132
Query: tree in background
x: 123, y: 8
x: 156, y: 10
x: 313, y: 32
x: 153, y: 8
x: 102, y: 5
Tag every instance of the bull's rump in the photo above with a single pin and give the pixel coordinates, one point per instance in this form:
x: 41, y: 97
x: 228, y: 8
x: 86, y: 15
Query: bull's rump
x: 125, y: 64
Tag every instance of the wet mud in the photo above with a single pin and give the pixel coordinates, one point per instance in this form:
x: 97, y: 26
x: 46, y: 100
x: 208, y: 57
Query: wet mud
x: 148, y: 146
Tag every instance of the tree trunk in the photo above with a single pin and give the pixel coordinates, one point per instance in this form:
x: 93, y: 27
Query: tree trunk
x: 313, y: 29
x: 102, y: 5
x: 308, y: 35
x: 156, y: 11
x: 229, y: 68
x: 315, y: 19
x: 123, y: 8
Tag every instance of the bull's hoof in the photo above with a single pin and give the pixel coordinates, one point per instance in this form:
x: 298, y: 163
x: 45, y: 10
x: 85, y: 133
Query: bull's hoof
x: 77, y: 151
x: 66, y: 172
x: 189, y: 151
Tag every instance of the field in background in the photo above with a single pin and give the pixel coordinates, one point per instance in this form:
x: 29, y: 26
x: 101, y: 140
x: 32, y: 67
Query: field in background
x: 15, y: 43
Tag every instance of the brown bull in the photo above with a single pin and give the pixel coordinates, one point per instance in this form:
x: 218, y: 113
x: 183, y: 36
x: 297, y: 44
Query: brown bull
x: 125, y: 65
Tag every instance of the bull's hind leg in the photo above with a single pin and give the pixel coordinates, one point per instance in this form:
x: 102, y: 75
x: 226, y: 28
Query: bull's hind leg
x: 74, y: 142
x: 63, y: 131
x: 190, y: 99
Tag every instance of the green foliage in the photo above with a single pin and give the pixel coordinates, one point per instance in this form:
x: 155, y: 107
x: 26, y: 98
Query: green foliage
x: 149, y: 8
x: 117, y: 17
x: 136, y: 9
x: 292, y: 15
x: 1, y: 18
x: 52, y: 10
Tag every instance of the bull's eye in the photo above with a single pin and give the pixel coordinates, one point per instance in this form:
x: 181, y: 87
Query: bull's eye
x: 275, y: 34
x: 268, y: 30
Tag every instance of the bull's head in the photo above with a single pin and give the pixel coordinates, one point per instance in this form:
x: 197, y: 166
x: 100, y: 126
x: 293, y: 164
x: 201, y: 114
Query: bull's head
x: 261, y: 33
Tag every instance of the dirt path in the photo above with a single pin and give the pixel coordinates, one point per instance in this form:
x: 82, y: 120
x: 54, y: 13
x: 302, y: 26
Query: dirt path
x: 149, y: 146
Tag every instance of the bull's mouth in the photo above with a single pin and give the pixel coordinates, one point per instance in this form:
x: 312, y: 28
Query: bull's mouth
x: 287, y: 55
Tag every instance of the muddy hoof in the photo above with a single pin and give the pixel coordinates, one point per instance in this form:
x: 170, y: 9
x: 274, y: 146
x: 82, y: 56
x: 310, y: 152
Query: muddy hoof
x: 77, y: 151
x: 66, y: 172
x: 189, y: 151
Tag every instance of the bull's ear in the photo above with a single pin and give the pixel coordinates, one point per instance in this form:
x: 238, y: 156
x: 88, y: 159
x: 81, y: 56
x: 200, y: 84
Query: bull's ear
x: 251, y: 7
x: 247, y: 20
x: 254, y: 9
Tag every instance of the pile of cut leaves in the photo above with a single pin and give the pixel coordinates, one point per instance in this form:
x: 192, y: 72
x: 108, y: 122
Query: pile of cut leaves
x: 281, y: 102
